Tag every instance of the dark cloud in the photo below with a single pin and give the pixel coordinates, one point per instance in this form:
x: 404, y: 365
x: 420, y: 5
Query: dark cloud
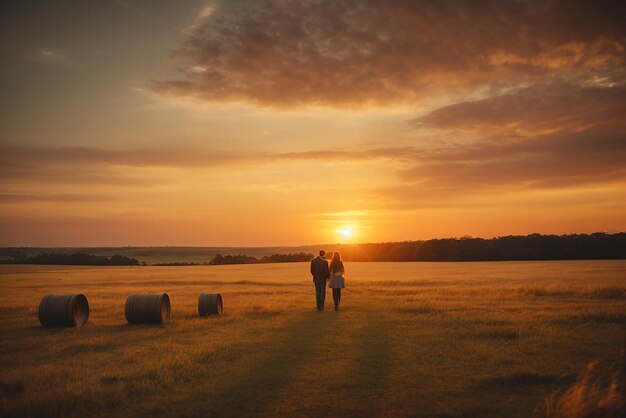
x: 537, y: 109
x: 357, y: 52
x: 553, y: 135
x: 454, y: 177
x: 555, y: 160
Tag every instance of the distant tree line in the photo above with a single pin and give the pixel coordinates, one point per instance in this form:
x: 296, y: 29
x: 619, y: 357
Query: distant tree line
x: 180, y: 264
x: 220, y: 259
x: 287, y: 258
x: 78, y: 259
x: 595, y: 246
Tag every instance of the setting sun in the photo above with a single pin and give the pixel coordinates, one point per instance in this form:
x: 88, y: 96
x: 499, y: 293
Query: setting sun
x: 346, y: 232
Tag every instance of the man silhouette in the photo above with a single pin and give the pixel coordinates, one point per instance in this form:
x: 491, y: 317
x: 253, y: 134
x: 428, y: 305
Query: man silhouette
x: 320, y: 273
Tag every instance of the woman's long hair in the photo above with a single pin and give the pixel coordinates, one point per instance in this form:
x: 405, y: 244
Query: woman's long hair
x: 336, y: 264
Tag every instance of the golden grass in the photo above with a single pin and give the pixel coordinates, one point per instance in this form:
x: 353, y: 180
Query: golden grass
x: 425, y: 339
x: 598, y: 392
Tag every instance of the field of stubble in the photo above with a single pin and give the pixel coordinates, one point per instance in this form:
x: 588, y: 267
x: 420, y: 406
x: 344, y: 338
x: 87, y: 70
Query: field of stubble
x: 411, y: 339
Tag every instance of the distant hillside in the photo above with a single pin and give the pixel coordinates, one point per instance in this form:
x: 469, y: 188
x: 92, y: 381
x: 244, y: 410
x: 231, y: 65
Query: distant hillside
x: 73, y: 259
x: 528, y: 247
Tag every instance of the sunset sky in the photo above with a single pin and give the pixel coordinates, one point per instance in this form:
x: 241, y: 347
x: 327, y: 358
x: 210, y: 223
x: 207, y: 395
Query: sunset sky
x: 232, y: 122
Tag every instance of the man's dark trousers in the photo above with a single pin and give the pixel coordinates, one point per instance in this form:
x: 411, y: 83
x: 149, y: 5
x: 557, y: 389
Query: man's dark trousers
x: 320, y: 294
x: 320, y: 273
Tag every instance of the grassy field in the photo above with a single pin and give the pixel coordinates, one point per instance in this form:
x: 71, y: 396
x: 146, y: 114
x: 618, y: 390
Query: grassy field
x: 411, y: 339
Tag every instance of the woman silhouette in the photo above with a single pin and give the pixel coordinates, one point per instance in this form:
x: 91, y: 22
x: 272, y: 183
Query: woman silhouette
x: 337, y: 281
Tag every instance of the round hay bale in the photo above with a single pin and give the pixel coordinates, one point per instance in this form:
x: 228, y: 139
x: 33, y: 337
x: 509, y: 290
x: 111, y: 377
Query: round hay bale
x: 148, y: 309
x: 210, y: 304
x: 63, y: 310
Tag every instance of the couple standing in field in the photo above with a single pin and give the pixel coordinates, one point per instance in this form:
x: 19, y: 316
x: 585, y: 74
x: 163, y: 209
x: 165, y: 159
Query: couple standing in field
x: 333, y: 273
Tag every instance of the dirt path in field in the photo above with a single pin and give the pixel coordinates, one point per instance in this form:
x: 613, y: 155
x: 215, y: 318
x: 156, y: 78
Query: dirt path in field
x: 318, y: 363
x: 367, y: 380
x: 259, y: 386
x: 346, y: 373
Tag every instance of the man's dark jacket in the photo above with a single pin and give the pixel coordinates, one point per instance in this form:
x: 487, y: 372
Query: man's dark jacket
x: 319, y: 270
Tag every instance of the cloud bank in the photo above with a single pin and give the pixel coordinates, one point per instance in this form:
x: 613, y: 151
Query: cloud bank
x: 354, y: 53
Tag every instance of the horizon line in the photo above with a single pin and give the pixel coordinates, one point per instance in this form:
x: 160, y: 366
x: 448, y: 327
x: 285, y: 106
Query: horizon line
x: 305, y: 245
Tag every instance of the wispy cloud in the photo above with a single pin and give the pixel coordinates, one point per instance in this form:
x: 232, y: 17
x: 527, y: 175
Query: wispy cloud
x: 201, y: 17
x: 53, y: 198
x: 20, y: 156
x: 549, y: 160
x: 46, y: 54
x: 52, y: 56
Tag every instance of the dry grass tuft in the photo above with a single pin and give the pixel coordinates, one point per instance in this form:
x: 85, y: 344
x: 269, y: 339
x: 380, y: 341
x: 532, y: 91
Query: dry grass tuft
x: 610, y: 292
x: 111, y: 380
x: 617, y: 293
x: 420, y: 310
x: 546, y: 292
x: 604, y: 318
x: 11, y: 389
x: 592, y: 318
x: 259, y: 311
x: 598, y: 392
x: 518, y: 381
x: 503, y: 334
